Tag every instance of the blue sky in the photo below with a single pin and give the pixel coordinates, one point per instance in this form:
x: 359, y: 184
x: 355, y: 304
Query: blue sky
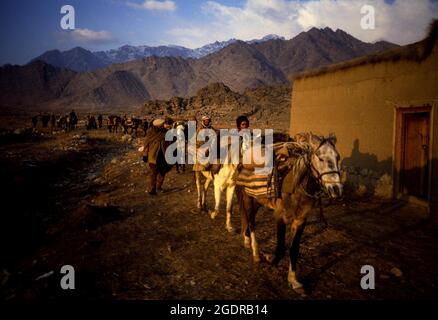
x: 28, y: 28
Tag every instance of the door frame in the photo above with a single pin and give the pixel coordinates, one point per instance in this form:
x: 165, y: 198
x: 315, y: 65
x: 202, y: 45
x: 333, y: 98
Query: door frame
x: 400, y: 111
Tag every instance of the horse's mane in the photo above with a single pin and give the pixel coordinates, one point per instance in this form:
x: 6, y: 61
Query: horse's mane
x: 292, y: 162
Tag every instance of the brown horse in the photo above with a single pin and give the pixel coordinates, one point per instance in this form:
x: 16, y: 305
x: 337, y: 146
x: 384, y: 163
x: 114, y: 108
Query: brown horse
x: 303, y: 169
x: 113, y: 123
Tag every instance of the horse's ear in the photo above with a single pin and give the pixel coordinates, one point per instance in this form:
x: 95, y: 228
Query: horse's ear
x: 332, y: 138
x: 314, y: 140
x: 301, y: 137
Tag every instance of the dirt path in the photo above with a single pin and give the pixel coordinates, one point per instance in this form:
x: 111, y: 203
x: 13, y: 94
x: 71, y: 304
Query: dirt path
x: 125, y: 244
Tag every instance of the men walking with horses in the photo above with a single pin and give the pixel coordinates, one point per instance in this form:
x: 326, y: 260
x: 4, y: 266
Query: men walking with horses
x: 154, y: 154
x: 206, y: 123
x: 73, y: 119
x: 100, y: 120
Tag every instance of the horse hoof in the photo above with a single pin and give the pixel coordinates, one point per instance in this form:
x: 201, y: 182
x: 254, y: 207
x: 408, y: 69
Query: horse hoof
x: 247, y: 243
x: 230, y: 229
x: 256, y: 259
x: 300, y: 291
x: 213, y: 214
x: 296, y: 285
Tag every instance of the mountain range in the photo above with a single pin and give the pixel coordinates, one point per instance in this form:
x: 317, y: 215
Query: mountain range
x: 80, y: 59
x: 239, y: 65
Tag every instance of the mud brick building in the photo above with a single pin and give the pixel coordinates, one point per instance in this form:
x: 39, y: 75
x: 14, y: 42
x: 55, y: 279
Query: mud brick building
x: 384, y: 110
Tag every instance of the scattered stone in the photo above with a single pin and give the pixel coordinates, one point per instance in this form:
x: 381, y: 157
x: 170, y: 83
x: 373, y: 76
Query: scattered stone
x: 396, y: 272
x: 5, y: 277
x: 361, y: 190
x: 384, y: 187
x: 45, y: 275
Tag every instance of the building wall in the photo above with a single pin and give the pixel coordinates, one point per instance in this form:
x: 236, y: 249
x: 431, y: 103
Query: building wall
x: 358, y: 105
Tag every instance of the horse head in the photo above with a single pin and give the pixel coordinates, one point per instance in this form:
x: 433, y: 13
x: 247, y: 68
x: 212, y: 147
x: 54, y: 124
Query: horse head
x: 323, y: 161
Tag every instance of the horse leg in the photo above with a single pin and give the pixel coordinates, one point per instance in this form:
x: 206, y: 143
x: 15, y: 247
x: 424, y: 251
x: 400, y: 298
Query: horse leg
x: 243, y: 208
x: 297, y: 229
x: 204, y: 194
x: 199, y: 189
x: 230, y: 193
x: 217, y: 198
x: 280, y: 248
x: 254, y: 244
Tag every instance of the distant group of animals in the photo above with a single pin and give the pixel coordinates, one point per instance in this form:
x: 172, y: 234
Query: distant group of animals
x: 69, y: 121
x: 128, y: 125
x: 66, y: 122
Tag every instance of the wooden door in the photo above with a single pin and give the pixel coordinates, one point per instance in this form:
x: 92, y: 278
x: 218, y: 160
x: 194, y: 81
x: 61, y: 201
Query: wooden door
x: 415, y: 156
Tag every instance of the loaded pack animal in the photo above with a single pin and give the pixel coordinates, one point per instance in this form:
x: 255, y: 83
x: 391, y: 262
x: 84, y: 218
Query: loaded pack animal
x: 35, y: 121
x: 45, y: 118
x: 223, y: 176
x: 131, y: 125
x: 100, y: 120
x: 73, y: 120
x: 91, y: 122
x: 53, y: 121
x: 113, y: 123
x: 64, y: 122
x: 303, y: 169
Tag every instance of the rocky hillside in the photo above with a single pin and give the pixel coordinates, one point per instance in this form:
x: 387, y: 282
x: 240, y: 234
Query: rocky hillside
x: 266, y: 107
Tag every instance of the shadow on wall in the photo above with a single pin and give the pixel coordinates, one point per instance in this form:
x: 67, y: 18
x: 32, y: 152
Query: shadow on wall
x: 365, y: 175
x: 420, y: 182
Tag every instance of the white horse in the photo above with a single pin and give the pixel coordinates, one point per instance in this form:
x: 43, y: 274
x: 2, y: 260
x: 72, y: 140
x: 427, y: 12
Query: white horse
x: 224, y: 180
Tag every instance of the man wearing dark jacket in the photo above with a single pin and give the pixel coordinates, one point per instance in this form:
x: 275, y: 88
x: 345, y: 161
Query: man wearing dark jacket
x: 154, y: 154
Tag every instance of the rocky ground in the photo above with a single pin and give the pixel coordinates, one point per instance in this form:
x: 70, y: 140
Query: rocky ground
x: 79, y: 198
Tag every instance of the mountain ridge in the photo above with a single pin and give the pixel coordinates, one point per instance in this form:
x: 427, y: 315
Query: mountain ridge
x: 239, y: 65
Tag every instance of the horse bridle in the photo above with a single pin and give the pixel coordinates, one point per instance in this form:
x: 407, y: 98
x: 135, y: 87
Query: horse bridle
x: 320, y: 175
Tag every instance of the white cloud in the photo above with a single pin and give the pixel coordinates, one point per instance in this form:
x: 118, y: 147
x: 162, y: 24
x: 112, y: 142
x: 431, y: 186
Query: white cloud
x: 84, y: 37
x: 91, y: 36
x: 166, y: 5
x: 402, y: 22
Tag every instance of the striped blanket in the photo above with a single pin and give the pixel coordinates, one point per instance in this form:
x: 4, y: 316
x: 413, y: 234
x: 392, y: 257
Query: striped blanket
x: 256, y: 185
